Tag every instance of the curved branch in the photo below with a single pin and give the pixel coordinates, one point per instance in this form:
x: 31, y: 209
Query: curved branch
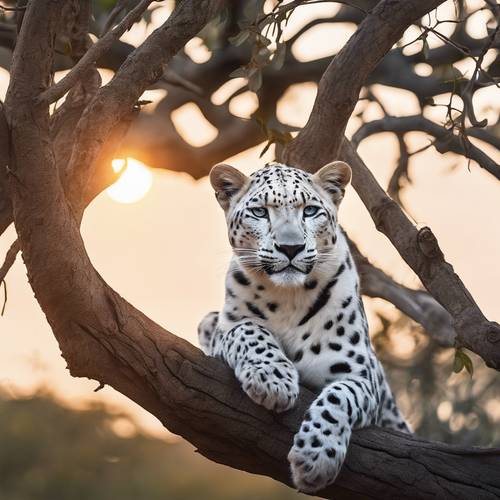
x: 445, y: 139
x: 420, y: 250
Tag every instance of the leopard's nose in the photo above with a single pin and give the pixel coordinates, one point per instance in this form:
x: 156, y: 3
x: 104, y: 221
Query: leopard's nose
x: 290, y: 250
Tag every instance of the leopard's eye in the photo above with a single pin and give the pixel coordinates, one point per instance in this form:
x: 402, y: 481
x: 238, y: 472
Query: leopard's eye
x: 310, y: 210
x: 260, y: 212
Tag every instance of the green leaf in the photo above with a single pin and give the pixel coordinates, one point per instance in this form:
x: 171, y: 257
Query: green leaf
x: 468, y: 363
x: 458, y: 363
x: 461, y: 361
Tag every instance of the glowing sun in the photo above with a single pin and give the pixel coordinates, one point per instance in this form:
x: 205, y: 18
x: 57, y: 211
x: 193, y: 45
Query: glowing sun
x: 133, y: 184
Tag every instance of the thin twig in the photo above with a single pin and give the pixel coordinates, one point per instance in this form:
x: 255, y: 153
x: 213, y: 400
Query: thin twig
x: 10, y: 258
x: 94, y: 53
x: 12, y: 9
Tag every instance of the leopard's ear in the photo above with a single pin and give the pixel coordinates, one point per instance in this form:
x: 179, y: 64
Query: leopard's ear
x: 333, y: 178
x: 227, y: 182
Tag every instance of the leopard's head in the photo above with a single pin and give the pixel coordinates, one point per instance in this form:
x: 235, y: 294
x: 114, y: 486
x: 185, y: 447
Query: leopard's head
x: 282, y: 221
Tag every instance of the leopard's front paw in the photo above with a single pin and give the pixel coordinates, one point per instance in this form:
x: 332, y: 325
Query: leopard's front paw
x: 315, y: 459
x: 274, y: 386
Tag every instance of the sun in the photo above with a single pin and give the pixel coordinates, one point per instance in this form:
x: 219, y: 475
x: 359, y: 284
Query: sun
x: 133, y: 184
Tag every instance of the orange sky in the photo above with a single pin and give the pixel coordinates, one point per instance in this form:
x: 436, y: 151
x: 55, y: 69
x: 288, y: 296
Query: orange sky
x: 167, y: 253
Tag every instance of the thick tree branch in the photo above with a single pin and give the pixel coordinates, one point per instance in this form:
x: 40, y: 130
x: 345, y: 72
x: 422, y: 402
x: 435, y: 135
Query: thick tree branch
x: 420, y: 250
x: 340, y: 85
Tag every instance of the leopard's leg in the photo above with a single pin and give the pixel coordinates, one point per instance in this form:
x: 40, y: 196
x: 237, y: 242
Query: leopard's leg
x: 390, y: 415
x: 321, y: 443
x: 267, y: 376
x: 206, y: 331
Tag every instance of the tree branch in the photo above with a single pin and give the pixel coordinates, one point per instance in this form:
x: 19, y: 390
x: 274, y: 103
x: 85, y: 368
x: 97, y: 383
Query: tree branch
x: 141, y: 69
x: 420, y: 250
x: 9, y: 260
x: 445, y: 141
x: 94, y: 53
x: 340, y: 85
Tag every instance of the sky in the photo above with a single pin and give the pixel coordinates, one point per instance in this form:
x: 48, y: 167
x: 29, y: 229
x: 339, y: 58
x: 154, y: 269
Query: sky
x: 167, y: 252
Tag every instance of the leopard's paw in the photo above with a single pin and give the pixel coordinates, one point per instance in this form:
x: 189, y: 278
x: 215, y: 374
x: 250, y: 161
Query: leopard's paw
x: 274, y: 386
x: 315, y: 458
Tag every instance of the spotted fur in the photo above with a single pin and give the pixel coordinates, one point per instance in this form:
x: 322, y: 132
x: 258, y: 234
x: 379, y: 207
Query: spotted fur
x: 293, y: 312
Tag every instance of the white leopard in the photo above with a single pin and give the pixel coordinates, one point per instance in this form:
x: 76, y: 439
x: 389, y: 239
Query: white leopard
x: 293, y: 312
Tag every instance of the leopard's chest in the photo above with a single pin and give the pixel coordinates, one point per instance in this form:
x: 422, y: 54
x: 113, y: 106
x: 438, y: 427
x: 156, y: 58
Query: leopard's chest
x: 332, y: 336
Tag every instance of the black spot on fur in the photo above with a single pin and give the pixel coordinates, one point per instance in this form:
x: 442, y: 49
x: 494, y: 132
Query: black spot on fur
x: 328, y: 417
x: 241, y: 278
x: 310, y: 285
x: 340, y: 331
x: 319, y: 303
x: 316, y: 348
x: 340, y: 270
x: 298, y: 355
x: 328, y: 324
x: 346, y: 302
x: 272, y: 306
x: 340, y: 368
x: 315, y: 442
x: 334, y: 346
x: 255, y: 310
x: 231, y: 317
x: 333, y: 399
x: 355, y: 338
x: 352, y: 317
